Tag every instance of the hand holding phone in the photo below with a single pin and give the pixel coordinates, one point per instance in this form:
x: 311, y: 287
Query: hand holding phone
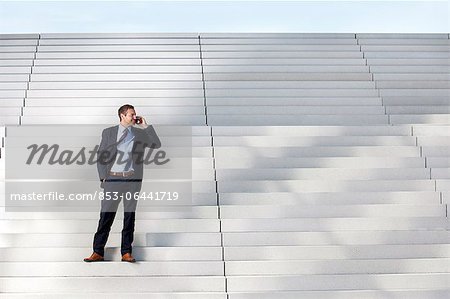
x: 139, y: 120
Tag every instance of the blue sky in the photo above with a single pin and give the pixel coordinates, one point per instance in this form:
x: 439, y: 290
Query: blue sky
x: 224, y: 16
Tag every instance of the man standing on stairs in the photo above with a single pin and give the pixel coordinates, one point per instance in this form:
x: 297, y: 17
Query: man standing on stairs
x: 120, y: 168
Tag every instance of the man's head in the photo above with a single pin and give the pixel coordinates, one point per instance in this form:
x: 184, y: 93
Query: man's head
x: 127, y: 115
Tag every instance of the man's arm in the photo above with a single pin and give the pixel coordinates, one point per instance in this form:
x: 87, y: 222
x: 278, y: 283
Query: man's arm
x: 101, y: 157
x: 149, y: 136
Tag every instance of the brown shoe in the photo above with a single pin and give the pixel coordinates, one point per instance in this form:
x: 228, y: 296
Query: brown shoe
x: 127, y: 257
x: 95, y: 257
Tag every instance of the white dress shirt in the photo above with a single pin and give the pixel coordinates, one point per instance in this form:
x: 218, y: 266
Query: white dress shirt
x: 123, y: 161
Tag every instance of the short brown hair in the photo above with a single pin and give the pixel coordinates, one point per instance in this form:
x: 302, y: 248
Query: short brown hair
x: 123, y: 109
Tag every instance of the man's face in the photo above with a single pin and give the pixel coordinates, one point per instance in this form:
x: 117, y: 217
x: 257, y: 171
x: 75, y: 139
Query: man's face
x: 129, y: 117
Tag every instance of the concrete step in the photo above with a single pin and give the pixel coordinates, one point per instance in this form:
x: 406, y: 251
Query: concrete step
x: 76, y: 254
x: 80, y: 269
x: 266, y: 84
x: 271, y: 41
x: 18, y: 42
x: 302, y: 110
x: 189, y: 120
x: 292, y: 101
x: 339, y: 294
x: 200, y: 171
x: 338, y: 282
x: 431, y: 130
x: 119, y: 61
x: 387, y: 210
x: 334, y: 224
x: 12, y: 94
x: 302, y: 198
x: 90, y: 225
x: 417, y: 100
x: 436, y: 151
x: 413, y: 84
x: 407, y: 61
x: 270, y: 141
x: 334, y: 252
x: 251, y: 239
x: 12, y: 111
x: 290, y: 84
x: 156, y: 35
x: 111, y: 77
x: 420, y: 119
x: 355, y: 75
x: 105, y: 294
x: 286, y: 53
x: 445, y: 197
x: 80, y: 69
x: 440, y: 173
x: 67, y: 93
x: 278, y: 47
x: 289, y: 120
x: 227, y: 162
x: 12, y: 55
x: 15, y: 49
x: 433, y: 141
x: 96, y: 130
x: 119, y: 48
x: 404, y: 48
x: 322, y: 173
x: 312, y: 131
x: 401, y: 36
x: 329, y: 198
x: 438, y: 162
x: 14, y: 69
x: 321, y: 186
x: 412, y: 77
x: 418, y: 109
x: 280, y: 92
x: 403, y: 41
x: 440, y: 92
x: 12, y: 85
x: 183, y: 212
x: 344, y: 267
x: 356, y: 60
x: 9, y: 120
x: 58, y: 240
x: 106, y: 111
x: 157, y: 54
x: 128, y: 54
x: 113, y: 102
x: 443, y: 185
x: 5, y: 102
x: 173, y: 144
x: 83, y: 196
x: 82, y: 285
x: 91, y: 189
x: 115, y: 85
x: 315, y: 151
x: 193, y: 168
x: 276, y: 35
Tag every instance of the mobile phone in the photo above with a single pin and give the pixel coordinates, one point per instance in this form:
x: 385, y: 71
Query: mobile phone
x: 138, y: 120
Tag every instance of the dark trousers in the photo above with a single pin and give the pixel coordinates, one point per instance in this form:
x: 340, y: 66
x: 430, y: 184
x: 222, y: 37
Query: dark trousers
x: 117, y: 189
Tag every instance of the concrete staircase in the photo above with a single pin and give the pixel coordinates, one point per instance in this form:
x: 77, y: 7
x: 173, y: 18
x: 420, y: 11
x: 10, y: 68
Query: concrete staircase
x: 321, y: 164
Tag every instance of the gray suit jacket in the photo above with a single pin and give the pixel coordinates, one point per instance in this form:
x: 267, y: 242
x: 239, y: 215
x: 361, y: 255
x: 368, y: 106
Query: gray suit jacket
x: 107, y: 151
